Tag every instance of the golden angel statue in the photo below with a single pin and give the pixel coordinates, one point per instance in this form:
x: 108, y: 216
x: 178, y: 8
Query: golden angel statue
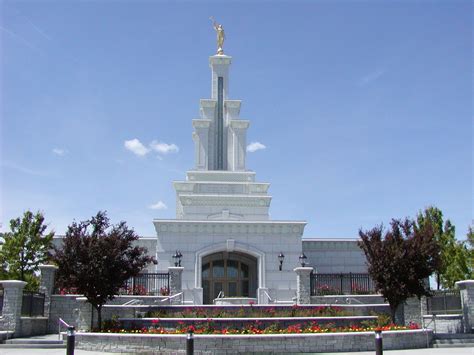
x: 220, y: 35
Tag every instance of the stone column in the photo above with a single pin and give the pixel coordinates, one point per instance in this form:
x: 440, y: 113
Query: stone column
x: 467, y: 303
x: 48, y: 273
x: 176, y: 273
x: 83, y: 314
x: 303, y: 284
x: 12, y: 300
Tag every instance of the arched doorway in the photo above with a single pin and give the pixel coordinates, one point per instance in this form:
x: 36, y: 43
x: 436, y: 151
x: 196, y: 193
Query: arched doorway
x: 233, y: 273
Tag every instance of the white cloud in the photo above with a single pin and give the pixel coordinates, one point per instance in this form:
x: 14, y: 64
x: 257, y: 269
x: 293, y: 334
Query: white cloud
x: 164, y: 148
x: 375, y: 75
x: 160, y: 205
x: 136, y: 147
x: 59, y: 151
x: 254, y: 146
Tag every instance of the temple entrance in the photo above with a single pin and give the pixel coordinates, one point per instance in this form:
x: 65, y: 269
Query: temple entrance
x: 233, y: 274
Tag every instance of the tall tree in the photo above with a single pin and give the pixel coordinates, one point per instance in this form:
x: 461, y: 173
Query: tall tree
x: 455, y: 263
x: 97, y: 258
x: 25, y: 247
x: 445, y: 237
x: 400, y: 259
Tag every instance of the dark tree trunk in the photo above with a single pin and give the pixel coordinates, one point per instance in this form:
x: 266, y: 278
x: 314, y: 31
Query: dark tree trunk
x: 393, y: 312
x: 92, y: 316
x: 99, y: 317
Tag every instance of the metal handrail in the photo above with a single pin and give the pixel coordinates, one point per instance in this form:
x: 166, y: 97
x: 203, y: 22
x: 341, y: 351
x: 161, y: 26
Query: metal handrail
x: 350, y: 299
x: 173, y: 296
x: 132, y: 302
x: 268, y: 296
x: 219, y: 295
x: 61, y: 321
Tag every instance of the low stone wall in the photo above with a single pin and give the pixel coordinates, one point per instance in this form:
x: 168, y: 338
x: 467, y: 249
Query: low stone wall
x: 444, y: 323
x: 347, y: 299
x: 240, y: 323
x: 232, y: 344
x: 74, y: 309
x: 33, y: 326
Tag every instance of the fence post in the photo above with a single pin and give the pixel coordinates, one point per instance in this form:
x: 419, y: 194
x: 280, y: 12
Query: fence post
x: 12, y: 301
x: 189, y: 344
x: 350, y: 280
x: 378, y: 343
x: 48, y: 273
x: 467, y: 303
x: 71, y: 339
x: 303, y: 284
x: 175, y: 273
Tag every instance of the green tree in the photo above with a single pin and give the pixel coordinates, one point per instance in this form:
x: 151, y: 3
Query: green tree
x: 25, y: 247
x: 455, y: 254
x: 470, y: 246
x: 444, y: 237
x: 97, y: 258
x: 400, y: 259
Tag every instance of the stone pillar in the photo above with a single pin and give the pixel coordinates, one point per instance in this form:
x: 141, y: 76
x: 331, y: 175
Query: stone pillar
x: 176, y: 273
x: 262, y: 297
x: 83, y: 314
x: 48, y: 273
x: 12, y: 300
x: 467, y: 303
x: 303, y: 284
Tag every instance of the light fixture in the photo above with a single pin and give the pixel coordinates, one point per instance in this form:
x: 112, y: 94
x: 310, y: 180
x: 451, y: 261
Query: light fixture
x: 281, y: 257
x: 176, y: 257
x: 180, y: 256
x: 303, y: 259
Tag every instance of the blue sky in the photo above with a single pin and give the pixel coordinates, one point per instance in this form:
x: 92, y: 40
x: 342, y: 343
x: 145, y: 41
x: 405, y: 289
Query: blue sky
x: 365, y: 108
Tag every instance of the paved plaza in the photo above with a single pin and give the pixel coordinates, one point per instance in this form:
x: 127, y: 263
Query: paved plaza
x: 434, y: 351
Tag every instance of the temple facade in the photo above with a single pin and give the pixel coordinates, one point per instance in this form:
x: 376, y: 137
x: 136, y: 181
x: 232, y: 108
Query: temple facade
x: 229, y: 245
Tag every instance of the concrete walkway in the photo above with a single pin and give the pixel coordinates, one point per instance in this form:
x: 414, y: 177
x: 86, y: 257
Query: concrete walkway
x: 434, y: 351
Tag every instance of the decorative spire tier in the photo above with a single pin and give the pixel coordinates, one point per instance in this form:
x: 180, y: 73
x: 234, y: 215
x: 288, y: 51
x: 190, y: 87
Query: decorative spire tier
x: 220, y: 136
x: 220, y: 187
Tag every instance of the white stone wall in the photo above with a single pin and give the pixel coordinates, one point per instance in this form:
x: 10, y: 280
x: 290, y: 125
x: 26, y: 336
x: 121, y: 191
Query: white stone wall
x: 335, y: 255
x: 263, y: 240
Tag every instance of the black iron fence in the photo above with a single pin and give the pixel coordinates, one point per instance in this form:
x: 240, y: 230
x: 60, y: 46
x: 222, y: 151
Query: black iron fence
x: 32, y: 304
x: 341, y: 284
x: 444, y: 302
x: 1, y: 301
x: 153, y: 284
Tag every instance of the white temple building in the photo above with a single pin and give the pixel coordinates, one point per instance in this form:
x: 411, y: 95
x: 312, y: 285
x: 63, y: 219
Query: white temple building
x: 228, y: 242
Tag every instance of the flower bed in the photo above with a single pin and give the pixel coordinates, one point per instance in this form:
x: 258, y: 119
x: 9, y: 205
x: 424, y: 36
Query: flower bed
x: 239, y: 323
x: 246, y: 312
x: 258, y: 327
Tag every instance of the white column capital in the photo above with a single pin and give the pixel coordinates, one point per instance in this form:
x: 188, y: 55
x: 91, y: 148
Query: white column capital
x: 465, y: 284
x: 13, y: 284
x: 48, y: 267
x: 303, y: 270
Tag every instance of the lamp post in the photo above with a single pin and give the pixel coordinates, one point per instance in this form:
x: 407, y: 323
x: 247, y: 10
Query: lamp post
x: 303, y: 260
x: 281, y: 257
x: 175, y: 257
x: 180, y: 256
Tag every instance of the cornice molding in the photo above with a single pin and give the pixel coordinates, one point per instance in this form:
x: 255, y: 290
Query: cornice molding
x: 225, y: 200
x: 206, y: 227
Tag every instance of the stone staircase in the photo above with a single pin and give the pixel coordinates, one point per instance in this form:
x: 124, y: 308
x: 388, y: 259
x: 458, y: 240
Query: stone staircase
x: 49, y: 341
x: 453, y: 340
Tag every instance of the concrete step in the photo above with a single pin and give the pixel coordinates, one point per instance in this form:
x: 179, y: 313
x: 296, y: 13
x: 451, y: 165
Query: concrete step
x: 48, y: 341
x: 465, y: 345
x: 454, y: 336
x: 33, y: 341
x: 453, y: 340
x: 32, y: 346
